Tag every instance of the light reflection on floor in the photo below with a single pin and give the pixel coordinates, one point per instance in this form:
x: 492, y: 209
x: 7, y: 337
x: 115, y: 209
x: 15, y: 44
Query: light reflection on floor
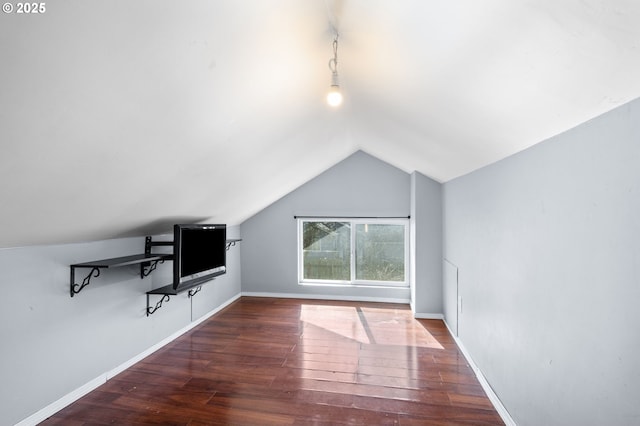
x: 390, y: 326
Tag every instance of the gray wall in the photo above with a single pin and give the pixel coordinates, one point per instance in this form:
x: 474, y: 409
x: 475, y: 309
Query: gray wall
x: 360, y: 185
x: 426, y: 240
x: 52, y: 344
x: 547, y: 243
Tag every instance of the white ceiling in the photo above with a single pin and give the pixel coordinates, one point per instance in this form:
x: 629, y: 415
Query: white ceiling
x: 121, y: 117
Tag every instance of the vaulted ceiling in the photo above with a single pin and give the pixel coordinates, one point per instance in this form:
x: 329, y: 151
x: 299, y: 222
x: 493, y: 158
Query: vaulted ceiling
x: 121, y: 117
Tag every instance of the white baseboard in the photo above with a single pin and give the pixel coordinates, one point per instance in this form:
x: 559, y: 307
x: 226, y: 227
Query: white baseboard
x: 502, y: 411
x: 119, y: 369
x: 78, y: 393
x: 58, y: 405
x: 326, y: 297
x: 419, y: 315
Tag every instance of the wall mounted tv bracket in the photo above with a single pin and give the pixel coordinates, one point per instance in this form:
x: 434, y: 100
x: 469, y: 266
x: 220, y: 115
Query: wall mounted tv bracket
x: 147, y: 268
x: 147, y: 261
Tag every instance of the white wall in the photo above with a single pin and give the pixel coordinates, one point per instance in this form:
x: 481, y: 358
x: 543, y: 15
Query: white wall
x: 547, y: 243
x: 53, y: 344
x: 360, y: 185
x: 426, y: 240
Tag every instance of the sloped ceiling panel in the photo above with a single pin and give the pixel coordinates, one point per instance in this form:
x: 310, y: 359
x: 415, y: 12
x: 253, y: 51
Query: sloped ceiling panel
x: 458, y: 85
x: 119, y: 118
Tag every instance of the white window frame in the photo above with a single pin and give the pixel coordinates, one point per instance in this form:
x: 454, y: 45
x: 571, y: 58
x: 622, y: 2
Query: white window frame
x: 353, y: 282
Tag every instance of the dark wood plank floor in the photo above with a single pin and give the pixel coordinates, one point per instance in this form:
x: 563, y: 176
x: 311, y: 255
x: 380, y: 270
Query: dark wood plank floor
x: 267, y: 361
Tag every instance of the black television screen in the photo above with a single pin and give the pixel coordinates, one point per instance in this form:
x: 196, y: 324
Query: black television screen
x: 199, y: 253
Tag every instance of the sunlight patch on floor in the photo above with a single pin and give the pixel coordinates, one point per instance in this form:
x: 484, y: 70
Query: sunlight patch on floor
x: 379, y: 326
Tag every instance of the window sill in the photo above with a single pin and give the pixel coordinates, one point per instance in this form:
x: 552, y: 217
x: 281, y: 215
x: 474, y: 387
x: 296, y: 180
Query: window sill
x: 353, y: 285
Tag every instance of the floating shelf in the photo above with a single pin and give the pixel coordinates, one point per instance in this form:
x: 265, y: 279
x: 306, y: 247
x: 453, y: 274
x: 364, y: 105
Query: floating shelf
x: 147, y: 262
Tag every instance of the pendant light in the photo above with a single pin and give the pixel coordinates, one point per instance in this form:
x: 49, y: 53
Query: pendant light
x: 334, y: 97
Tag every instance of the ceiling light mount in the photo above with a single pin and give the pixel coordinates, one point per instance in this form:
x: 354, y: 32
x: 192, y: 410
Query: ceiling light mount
x: 334, y: 97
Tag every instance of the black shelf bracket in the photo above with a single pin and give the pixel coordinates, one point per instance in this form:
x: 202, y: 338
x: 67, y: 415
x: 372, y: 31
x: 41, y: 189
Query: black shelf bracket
x: 150, y: 310
x: 195, y: 291
x: 77, y: 288
x: 148, y: 267
x: 232, y: 243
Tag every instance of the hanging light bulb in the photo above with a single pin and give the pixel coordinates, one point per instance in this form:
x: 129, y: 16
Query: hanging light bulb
x: 334, y: 97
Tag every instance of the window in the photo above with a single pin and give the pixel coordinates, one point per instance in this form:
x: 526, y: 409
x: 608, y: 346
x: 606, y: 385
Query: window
x: 353, y: 251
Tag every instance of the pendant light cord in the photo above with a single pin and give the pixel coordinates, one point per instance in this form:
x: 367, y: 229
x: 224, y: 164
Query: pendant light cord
x: 333, y: 62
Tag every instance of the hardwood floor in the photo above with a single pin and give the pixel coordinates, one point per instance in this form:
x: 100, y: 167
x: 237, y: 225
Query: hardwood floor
x: 267, y: 361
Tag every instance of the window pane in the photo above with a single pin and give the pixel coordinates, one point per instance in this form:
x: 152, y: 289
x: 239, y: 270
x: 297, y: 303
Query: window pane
x: 326, y: 250
x: 379, y: 252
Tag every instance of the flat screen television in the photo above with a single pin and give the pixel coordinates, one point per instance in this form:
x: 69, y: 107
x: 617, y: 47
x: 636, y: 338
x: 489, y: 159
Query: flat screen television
x: 199, y: 253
